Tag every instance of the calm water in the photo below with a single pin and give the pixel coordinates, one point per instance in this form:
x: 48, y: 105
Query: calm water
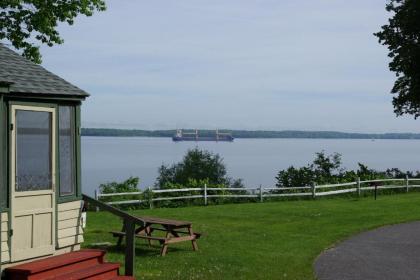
x: 257, y: 161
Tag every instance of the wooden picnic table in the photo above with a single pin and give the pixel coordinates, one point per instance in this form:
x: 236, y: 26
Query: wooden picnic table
x: 176, y: 231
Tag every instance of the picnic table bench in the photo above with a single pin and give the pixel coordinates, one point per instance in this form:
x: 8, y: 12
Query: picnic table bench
x: 176, y: 231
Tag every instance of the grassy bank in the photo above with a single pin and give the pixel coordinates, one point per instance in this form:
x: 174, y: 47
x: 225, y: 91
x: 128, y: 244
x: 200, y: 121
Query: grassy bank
x: 278, y: 240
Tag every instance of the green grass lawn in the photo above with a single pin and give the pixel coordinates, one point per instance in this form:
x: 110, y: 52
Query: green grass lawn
x: 273, y: 240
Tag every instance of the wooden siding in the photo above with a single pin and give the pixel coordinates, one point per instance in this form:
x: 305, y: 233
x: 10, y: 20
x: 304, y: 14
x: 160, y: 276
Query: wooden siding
x: 69, y: 230
x: 4, y: 228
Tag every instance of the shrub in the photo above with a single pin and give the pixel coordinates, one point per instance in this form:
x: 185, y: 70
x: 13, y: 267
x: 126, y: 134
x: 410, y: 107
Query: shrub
x: 327, y: 169
x: 127, y: 186
x: 196, y: 169
x: 198, y: 165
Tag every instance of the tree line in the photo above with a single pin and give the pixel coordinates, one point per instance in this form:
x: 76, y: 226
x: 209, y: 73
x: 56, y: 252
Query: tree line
x: 113, y: 132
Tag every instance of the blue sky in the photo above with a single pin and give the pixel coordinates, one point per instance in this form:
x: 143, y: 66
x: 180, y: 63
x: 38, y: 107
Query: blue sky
x: 244, y: 64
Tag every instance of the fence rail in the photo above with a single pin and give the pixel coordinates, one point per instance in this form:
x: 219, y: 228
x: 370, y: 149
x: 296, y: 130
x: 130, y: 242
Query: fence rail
x: 261, y: 193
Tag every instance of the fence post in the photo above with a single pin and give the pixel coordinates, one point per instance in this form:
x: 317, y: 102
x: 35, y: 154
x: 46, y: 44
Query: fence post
x: 261, y: 194
x: 406, y: 182
x: 313, y: 190
x: 205, y: 194
x: 96, y: 198
x: 150, y: 197
x: 358, y: 186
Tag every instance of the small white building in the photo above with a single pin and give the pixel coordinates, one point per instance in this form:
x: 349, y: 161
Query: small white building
x: 40, y: 174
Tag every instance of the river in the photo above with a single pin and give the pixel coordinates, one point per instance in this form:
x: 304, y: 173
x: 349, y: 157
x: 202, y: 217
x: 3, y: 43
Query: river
x: 256, y: 161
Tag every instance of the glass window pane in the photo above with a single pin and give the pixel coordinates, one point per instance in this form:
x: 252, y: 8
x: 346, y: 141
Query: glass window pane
x: 33, y: 150
x: 66, y: 148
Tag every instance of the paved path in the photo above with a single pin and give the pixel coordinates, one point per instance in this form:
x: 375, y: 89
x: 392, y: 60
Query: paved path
x: 390, y: 252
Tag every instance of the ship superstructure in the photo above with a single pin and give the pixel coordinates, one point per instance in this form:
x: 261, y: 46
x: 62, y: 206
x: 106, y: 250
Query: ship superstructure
x: 180, y: 135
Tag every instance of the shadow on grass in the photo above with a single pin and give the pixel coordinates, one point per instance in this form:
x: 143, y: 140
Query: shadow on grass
x: 142, y: 250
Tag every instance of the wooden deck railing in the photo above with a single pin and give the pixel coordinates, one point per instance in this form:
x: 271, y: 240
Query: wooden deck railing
x: 130, y: 224
x: 261, y: 193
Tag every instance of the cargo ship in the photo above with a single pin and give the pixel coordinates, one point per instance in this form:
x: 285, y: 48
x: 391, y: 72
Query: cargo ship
x: 194, y: 136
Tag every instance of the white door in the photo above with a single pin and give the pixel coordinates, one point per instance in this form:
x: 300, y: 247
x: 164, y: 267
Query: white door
x: 33, y: 143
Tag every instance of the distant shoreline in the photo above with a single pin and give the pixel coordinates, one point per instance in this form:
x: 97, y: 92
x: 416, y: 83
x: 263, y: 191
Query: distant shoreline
x: 250, y: 134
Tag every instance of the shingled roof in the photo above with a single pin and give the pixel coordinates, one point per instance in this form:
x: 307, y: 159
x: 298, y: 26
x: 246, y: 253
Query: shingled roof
x: 26, y: 77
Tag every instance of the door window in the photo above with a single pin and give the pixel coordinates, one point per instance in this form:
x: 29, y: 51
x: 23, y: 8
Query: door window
x: 33, y: 150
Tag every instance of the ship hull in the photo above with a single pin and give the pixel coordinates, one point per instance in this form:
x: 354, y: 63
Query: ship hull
x: 199, y: 139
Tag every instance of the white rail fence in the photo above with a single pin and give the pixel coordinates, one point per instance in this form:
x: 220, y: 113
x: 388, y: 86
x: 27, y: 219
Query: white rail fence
x: 261, y: 193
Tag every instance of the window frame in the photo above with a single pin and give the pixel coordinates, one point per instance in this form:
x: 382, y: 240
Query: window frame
x: 4, y: 156
x: 77, y: 194
x: 72, y: 128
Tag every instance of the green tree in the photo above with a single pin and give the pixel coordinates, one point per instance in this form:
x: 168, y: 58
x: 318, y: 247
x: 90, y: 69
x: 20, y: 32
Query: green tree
x: 24, y: 22
x: 197, y: 165
x: 326, y: 167
x: 402, y: 36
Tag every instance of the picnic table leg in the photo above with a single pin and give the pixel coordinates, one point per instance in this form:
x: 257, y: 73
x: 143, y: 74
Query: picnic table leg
x: 120, y: 238
x: 164, y: 249
x: 148, y: 232
x: 194, y: 242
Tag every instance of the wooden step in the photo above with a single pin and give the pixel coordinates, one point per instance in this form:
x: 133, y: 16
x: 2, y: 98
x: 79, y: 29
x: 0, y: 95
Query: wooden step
x: 57, y: 265
x: 103, y: 271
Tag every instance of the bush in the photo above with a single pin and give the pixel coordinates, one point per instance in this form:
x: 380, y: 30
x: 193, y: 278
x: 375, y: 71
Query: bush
x: 197, y: 168
x: 197, y: 165
x: 327, y: 169
x: 127, y: 186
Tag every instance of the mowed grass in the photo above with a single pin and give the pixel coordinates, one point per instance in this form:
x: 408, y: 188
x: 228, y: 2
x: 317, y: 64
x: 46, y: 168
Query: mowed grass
x: 273, y: 240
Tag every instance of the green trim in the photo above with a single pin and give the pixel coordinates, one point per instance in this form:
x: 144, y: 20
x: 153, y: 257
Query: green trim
x: 57, y: 173
x: 78, y: 151
x: 32, y: 103
x: 9, y: 158
x: 77, y: 170
x: 41, y: 98
x: 65, y: 199
x: 3, y: 154
x: 40, y: 102
x: 4, y: 190
x: 4, y: 157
